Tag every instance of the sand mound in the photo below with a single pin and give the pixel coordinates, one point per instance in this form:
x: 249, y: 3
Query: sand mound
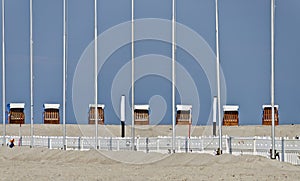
x: 22, y: 163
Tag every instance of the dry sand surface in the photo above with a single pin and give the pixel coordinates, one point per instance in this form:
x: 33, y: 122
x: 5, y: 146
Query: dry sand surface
x: 151, y: 130
x: 22, y: 163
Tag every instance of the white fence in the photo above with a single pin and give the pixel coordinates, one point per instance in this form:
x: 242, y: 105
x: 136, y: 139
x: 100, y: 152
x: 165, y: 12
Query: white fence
x: 288, y: 149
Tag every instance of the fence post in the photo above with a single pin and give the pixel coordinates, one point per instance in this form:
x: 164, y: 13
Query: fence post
x: 99, y: 143
x: 49, y: 143
x: 79, y: 143
x: 137, y: 144
x: 189, y: 144
x: 110, y: 143
x: 157, y: 144
x: 282, y: 149
x: 66, y: 143
x: 118, y: 144
x: 254, y: 146
x: 147, y: 145
x: 186, y: 145
x: 229, y: 146
x: 20, y: 141
x: 82, y: 143
x: 202, y: 144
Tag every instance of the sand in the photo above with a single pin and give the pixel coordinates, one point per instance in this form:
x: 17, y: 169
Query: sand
x: 24, y: 163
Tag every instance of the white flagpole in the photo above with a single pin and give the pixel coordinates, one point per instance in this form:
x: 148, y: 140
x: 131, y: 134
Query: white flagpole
x: 272, y: 77
x: 218, y: 78
x: 64, y: 73
x: 173, y: 76
x: 31, y: 77
x: 96, y: 75
x: 3, y: 73
x: 132, y: 75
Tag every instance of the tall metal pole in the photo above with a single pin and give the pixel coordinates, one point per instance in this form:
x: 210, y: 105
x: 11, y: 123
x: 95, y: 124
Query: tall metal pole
x: 272, y: 77
x: 31, y: 77
x: 96, y: 75
x: 64, y: 72
x: 3, y: 73
x: 173, y: 76
x: 218, y: 78
x: 132, y: 76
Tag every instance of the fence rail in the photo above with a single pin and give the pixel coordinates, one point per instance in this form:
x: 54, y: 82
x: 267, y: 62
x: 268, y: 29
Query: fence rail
x: 288, y: 149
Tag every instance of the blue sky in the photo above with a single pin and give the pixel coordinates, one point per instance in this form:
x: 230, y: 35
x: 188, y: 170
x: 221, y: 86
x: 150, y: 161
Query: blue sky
x: 244, y: 54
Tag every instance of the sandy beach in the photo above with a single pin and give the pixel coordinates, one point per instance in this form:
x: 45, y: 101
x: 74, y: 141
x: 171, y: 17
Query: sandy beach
x: 24, y: 163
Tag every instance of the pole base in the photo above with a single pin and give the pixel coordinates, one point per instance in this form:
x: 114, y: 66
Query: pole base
x: 273, y: 157
x: 219, y: 151
x: 170, y: 151
x: 122, y: 129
